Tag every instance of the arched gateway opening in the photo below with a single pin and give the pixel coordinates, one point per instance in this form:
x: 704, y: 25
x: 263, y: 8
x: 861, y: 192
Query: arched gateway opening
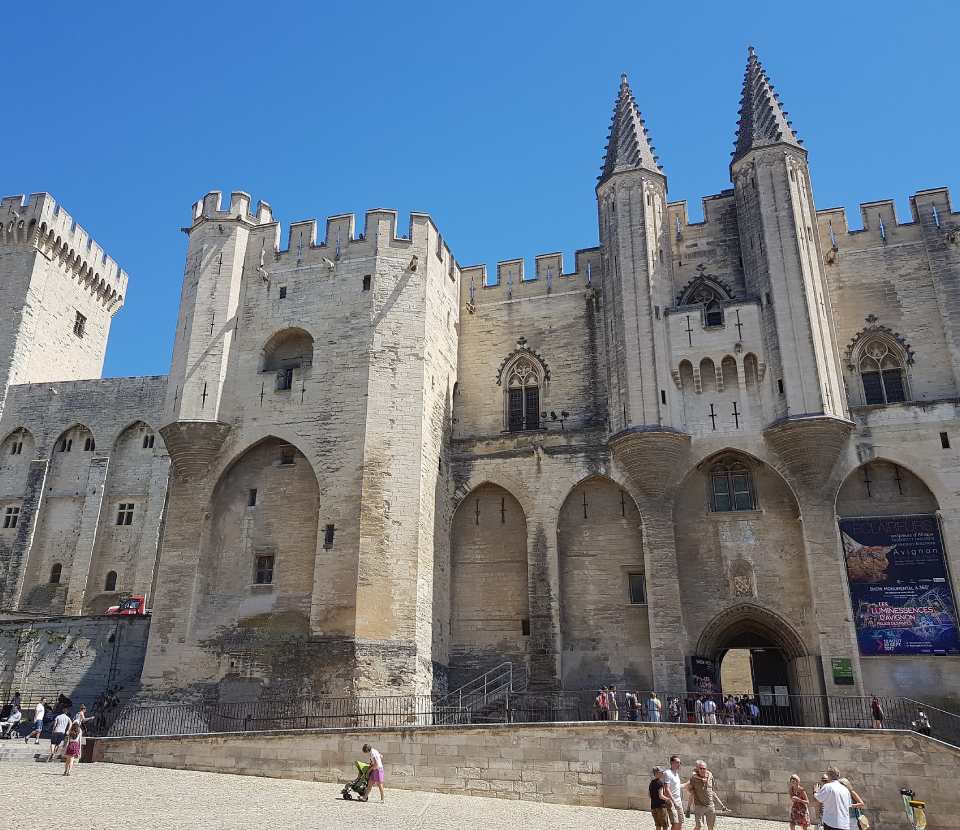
x: 757, y: 653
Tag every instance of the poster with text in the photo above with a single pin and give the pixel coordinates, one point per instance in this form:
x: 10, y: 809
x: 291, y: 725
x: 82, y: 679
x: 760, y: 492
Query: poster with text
x: 900, y: 589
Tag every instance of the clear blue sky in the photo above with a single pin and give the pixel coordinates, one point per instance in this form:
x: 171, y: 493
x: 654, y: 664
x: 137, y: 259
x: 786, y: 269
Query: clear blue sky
x: 490, y: 116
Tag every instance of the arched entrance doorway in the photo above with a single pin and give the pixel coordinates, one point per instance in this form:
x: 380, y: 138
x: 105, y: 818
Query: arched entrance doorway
x: 758, y: 654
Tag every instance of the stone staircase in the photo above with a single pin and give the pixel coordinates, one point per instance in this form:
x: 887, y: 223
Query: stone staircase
x: 16, y: 750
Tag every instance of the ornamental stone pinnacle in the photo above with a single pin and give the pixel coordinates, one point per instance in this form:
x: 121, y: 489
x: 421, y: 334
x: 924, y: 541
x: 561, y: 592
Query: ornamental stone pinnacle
x: 628, y: 145
x: 763, y: 120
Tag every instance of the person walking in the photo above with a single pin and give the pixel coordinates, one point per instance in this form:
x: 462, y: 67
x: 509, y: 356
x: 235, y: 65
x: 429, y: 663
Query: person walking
x: 836, y: 802
x: 819, y: 807
x: 38, y: 713
x: 654, y: 707
x: 710, y: 711
x: 876, y: 712
x: 671, y: 776
x: 600, y: 707
x: 698, y: 710
x: 633, y: 706
x: 72, y: 752
x: 612, y: 708
x: 660, y: 800
x: 856, y: 804
x: 674, y: 710
x: 61, y: 723
x: 376, y: 771
x: 703, y: 796
x: 799, y: 804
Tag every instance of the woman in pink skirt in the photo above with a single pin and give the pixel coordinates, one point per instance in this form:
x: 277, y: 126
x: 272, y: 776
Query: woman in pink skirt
x: 72, y: 752
x: 799, y: 804
x: 376, y: 771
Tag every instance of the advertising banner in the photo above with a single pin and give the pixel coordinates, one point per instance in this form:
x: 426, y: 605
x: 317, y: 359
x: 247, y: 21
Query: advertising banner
x: 703, y: 675
x: 899, y: 585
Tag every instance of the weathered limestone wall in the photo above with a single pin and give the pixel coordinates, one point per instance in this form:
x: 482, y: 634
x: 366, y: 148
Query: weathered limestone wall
x: 79, y: 657
x: 593, y: 764
x: 82, y: 454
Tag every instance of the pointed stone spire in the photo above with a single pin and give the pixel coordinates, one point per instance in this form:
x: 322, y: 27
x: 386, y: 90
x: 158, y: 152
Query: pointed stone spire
x: 762, y: 118
x: 628, y: 145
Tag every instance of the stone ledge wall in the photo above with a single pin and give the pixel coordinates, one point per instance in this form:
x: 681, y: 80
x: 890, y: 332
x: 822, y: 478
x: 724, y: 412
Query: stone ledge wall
x: 588, y: 763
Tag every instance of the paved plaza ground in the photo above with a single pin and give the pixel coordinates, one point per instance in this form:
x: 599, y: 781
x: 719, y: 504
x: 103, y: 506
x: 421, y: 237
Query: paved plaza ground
x: 115, y: 797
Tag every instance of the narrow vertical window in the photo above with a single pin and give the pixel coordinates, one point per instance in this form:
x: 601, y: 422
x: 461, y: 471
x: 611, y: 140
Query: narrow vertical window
x: 637, y: 589
x: 10, y: 517
x: 79, y: 325
x: 284, y: 379
x: 366, y: 282
x: 731, y: 488
x: 944, y: 441
x: 110, y: 583
x: 125, y: 513
x: 89, y: 445
x: 328, y: 537
x: 283, y: 292
x: 252, y: 497
x: 55, y: 572
x: 148, y: 441
x: 263, y: 571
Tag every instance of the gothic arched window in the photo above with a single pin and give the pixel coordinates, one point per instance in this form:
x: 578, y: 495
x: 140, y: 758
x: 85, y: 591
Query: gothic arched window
x: 110, y: 583
x: 882, y: 373
x: 731, y: 487
x: 55, y: 573
x: 522, y: 403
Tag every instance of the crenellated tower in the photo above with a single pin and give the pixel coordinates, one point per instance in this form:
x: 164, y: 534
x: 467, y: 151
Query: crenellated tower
x: 208, y: 304
x: 781, y: 255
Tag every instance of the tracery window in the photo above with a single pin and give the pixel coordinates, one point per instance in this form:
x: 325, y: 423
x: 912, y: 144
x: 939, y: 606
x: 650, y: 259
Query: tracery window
x: 882, y: 373
x: 731, y: 488
x: 523, y: 396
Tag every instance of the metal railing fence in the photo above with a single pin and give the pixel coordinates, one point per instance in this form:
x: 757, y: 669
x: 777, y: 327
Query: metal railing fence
x: 506, y: 706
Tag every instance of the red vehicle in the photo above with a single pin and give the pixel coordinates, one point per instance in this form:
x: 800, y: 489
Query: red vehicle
x: 133, y: 605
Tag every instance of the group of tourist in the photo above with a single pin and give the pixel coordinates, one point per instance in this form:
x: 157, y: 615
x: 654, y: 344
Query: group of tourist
x: 729, y: 709
x: 838, y: 807
x: 66, y: 730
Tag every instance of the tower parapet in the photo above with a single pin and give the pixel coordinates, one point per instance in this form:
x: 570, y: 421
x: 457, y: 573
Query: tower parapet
x: 38, y: 221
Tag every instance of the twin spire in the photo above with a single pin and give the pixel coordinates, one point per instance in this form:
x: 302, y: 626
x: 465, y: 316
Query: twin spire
x: 762, y: 122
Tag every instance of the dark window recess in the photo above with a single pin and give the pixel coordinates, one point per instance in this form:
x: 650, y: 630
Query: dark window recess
x: 283, y: 292
x: 10, y: 517
x: 439, y: 464
x: 663, y: 396
x: 945, y: 440
x: 284, y: 379
x: 79, y: 325
x: 252, y: 497
x: 16, y: 448
x: 110, y: 584
x: 125, y: 513
x: 366, y: 282
x: 148, y: 442
x: 713, y: 315
x: 638, y: 589
x: 532, y: 404
x: 55, y: 572
x: 286, y: 456
x: 328, y: 537
x: 89, y: 445
x: 515, y: 415
x: 525, y: 627
x: 780, y: 385
x: 893, y: 385
x: 732, y: 490
x: 263, y: 574
x: 65, y: 445
x: 872, y: 387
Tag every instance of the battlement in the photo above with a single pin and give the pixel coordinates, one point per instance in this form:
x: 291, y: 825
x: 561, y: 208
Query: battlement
x: 513, y: 283
x: 716, y: 208
x: 381, y: 232
x: 210, y: 208
x: 879, y: 222
x: 40, y: 222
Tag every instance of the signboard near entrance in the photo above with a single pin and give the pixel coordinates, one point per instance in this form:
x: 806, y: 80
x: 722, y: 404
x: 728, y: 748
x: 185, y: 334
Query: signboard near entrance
x: 842, y: 671
x: 899, y: 585
x: 703, y: 675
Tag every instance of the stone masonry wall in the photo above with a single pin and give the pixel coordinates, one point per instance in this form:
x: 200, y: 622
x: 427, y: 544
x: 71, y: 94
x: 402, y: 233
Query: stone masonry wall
x: 591, y: 764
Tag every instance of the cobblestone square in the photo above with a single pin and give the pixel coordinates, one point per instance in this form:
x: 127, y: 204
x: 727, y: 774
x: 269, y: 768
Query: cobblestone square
x: 114, y: 797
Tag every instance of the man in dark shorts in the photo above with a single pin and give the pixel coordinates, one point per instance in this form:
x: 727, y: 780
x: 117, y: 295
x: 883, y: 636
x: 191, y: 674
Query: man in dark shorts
x: 660, y: 800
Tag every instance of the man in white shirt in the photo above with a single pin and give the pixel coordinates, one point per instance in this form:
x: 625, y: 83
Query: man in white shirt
x: 38, y: 714
x: 671, y: 777
x: 835, y: 799
x: 61, y: 723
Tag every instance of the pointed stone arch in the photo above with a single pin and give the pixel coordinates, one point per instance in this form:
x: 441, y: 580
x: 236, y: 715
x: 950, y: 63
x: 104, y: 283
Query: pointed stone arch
x: 749, y: 618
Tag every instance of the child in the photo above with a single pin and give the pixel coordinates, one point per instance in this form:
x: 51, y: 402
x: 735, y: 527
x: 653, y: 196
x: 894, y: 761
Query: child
x: 799, y: 804
x: 73, y: 747
x: 376, y: 771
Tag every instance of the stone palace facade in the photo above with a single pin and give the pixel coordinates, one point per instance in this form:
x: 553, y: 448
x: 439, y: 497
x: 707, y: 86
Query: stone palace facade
x: 372, y: 469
